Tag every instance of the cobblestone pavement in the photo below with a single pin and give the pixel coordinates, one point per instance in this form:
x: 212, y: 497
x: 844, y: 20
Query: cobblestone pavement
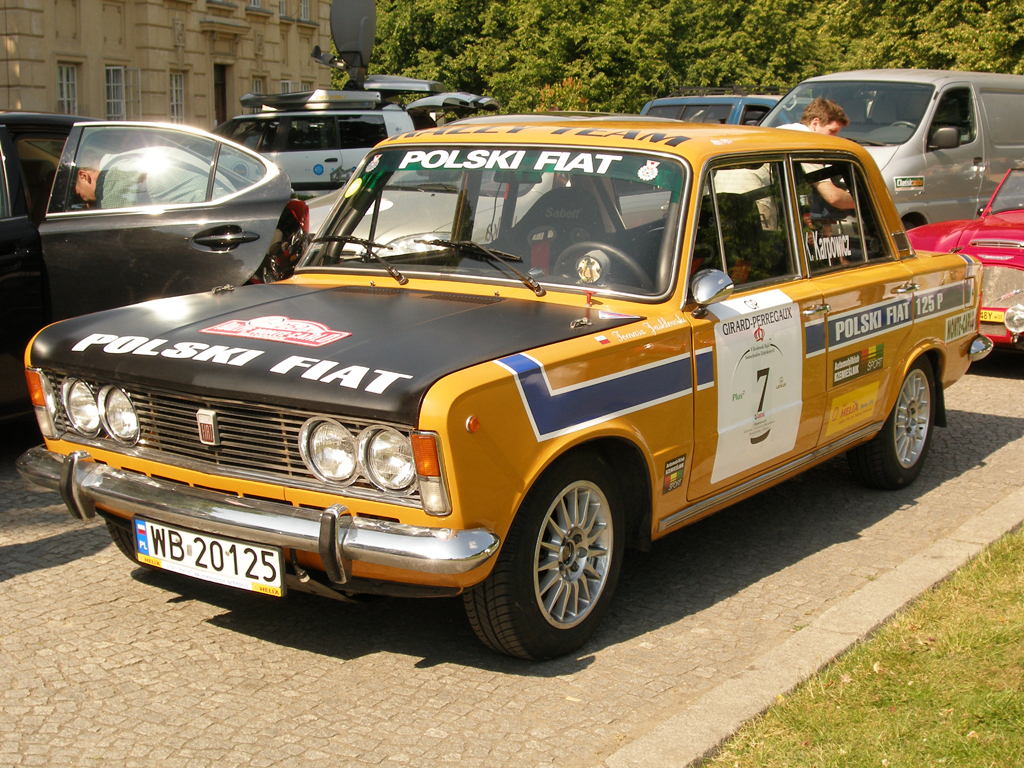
x: 103, y: 663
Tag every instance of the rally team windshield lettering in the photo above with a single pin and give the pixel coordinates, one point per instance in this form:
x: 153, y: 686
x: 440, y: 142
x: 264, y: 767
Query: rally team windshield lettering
x: 569, y: 218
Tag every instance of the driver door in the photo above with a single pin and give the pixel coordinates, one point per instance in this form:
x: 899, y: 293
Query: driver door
x: 759, y: 356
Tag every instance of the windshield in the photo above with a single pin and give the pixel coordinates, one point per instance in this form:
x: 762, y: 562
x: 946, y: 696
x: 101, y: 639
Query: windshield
x: 880, y: 113
x: 583, y: 219
x: 1010, y: 195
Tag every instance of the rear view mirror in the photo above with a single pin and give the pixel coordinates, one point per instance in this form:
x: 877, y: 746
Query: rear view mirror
x: 946, y: 137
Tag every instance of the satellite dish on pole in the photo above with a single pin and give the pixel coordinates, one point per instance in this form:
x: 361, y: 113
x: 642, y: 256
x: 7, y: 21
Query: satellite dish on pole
x: 353, y: 26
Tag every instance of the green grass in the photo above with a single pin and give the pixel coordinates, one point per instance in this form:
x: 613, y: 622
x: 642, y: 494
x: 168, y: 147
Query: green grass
x: 942, y: 684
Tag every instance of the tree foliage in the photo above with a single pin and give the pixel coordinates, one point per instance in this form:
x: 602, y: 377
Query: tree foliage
x: 614, y: 55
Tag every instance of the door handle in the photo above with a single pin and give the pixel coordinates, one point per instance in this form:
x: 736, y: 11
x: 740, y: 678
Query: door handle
x: 331, y: 160
x: 816, y: 310
x: 224, y: 238
x: 908, y: 288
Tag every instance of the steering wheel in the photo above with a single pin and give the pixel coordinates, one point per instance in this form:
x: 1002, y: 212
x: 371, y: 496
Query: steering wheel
x: 903, y: 124
x: 610, y: 253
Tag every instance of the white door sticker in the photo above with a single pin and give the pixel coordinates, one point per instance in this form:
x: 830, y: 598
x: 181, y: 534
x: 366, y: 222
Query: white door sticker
x: 759, y: 344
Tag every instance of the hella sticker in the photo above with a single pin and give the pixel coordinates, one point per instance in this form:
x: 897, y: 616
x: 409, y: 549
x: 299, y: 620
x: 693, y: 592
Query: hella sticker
x: 305, y: 333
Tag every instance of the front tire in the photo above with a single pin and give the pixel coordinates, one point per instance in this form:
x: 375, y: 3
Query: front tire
x: 557, y: 570
x: 894, y: 457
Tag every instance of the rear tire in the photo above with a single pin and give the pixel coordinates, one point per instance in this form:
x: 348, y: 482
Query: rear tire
x: 556, y: 574
x: 894, y: 457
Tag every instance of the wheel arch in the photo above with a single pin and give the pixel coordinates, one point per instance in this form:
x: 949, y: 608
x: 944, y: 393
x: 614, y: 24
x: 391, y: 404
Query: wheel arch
x: 632, y: 478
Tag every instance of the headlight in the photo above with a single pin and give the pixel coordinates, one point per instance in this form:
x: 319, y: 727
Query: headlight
x: 80, y: 406
x: 328, y: 450
x: 118, y: 415
x: 1014, y: 319
x: 388, y: 459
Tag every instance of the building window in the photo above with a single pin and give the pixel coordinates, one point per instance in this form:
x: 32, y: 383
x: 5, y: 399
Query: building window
x: 307, y: 86
x: 289, y: 86
x: 67, y: 89
x: 257, y: 88
x: 115, y: 93
x: 177, y: 97
x: 282, y: 10
x: 304, y: 10
x: 254, y: 3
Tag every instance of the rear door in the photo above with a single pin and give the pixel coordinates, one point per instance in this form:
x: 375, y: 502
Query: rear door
x: 139, y: 212
x: 867, y: 295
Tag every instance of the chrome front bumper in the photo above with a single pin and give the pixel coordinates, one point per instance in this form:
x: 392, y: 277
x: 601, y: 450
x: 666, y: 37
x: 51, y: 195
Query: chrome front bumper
x: 336, y: 535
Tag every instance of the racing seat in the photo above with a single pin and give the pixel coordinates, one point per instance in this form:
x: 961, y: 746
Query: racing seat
x: 560, y: 218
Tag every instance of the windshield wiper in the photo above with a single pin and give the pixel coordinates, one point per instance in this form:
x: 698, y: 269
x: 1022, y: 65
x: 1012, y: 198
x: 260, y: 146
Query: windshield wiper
x: 369, y: 245
x: 475, y: 250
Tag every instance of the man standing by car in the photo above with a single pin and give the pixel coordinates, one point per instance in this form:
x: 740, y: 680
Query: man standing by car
x: 826, y: 117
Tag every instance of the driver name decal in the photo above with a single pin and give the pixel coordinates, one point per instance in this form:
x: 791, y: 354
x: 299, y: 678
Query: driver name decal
x: 759, y: 345
x: 278, y: 328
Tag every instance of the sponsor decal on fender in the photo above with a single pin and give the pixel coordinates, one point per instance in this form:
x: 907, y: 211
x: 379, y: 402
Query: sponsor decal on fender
x: 306, y: 333
x: 673, y: 474
x: 852, y: 410
x: 865, y: 322
x: 908, y: 182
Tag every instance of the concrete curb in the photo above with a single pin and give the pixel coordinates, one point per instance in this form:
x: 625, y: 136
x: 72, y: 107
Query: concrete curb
x: 687, y: 738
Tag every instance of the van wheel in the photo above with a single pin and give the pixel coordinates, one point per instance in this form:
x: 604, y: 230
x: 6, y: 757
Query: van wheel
x: 558, y: 567
x: 894, y: 457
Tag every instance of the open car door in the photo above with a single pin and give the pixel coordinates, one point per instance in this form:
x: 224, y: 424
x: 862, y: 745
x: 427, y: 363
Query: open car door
x: 143, y: 211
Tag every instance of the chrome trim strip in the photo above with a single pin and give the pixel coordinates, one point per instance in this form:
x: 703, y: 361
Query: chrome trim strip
x: 685, y: 514
x: 394, y: 545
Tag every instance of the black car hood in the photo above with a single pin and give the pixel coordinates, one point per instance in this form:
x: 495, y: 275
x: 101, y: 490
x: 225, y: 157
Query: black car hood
x: 361, y: 351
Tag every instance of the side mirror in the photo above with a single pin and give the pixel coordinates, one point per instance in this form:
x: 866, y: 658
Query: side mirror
x: 946, y: 137
x: 710, y: 286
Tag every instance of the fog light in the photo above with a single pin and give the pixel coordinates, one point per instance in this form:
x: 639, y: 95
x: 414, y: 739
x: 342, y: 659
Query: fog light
x: 81, y: 408
x: 1014, y: 319
x: 118, y: 415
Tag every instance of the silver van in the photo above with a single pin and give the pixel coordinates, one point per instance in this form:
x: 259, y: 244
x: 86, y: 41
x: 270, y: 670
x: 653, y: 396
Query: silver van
x: 942, y: 139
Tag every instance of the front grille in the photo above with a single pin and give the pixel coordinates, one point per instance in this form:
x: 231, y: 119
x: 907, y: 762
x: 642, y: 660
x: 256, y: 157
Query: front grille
x: 257, y: 442
x: 1002, y: 286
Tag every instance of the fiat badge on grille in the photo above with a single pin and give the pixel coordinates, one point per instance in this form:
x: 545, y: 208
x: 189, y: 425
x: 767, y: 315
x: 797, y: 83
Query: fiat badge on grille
x: 208, y: 432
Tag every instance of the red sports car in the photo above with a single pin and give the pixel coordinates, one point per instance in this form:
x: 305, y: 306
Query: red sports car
x: 996, y: 237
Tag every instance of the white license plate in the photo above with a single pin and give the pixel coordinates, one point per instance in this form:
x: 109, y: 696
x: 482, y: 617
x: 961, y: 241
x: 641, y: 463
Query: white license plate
x: 211, y: 558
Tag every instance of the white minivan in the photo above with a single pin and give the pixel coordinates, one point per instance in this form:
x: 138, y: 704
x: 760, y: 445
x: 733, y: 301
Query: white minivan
x: 942, y: 139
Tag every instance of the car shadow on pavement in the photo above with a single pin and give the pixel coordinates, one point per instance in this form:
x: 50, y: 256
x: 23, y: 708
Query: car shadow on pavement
x: 52, y: 551
x: 683, y: 574
x: 1001, y: 364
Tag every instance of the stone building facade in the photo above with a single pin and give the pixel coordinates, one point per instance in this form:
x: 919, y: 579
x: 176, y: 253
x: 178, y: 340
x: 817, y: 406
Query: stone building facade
x: 184, y: 61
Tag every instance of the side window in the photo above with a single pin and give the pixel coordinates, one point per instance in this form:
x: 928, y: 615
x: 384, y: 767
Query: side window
x: 839, y: 227
x: 752, y: 114
x: 741, y: 228
x: 956, y: 108
x: 132, y: 166
x: 235, y: 172
x: 39, y: 159
x: 244, y: 132
x: 706, y: 113
x: 308, y: 134
x: 672, y: 110
x: 359, y: 131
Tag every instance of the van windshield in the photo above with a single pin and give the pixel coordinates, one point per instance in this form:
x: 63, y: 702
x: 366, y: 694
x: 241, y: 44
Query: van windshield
x: 880, y: 113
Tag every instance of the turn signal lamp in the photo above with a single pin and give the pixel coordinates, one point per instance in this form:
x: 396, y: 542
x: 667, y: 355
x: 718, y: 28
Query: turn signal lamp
x: 41, y: 394
x: 433, y: 491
